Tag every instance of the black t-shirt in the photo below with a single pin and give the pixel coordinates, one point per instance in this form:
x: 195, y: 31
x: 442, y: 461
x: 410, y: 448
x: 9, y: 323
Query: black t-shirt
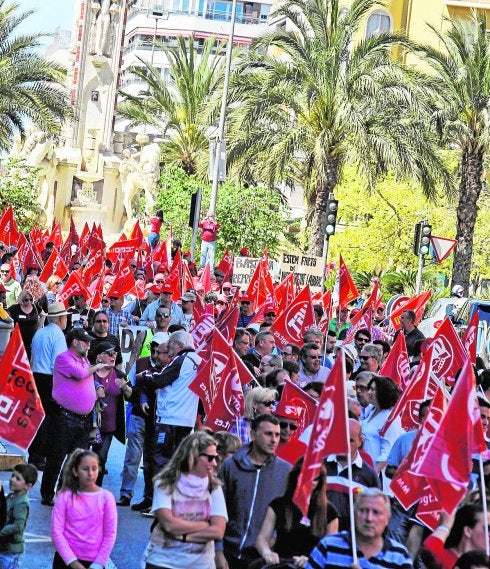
x: 300, y: 540
x: 97, y: 340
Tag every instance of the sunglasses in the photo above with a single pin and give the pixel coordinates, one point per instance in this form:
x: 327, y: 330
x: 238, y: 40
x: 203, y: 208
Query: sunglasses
x: 270, y: 314
x: 5, y: 272
x: 111, y: 354
x: 104, y: 301
x: 164, y: 315
x: 363, y: 340
x: 267, y: 403
x: 101, y: 321
x: 227, y: 289
x: 314, y: 357
x: 220, y: 302
x: 159, y: 282
x: 210, y: 457
x: 364, y: 358
x: 114, y: 298
x: 245, y: 301
x: 28, y: 300
x: 285, y: 425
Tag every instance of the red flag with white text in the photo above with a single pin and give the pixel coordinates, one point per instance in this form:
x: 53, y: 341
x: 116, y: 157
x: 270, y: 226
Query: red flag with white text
x: 54, y: 266
x: 329, y: 434
x: 294, y: 395
x: 449, y: 354
x: 73, y: 286
x: 416, y: 303
x: 470, y: 337
x: 396, y: 365
x: 290, y: 325
x: 9, y: 233
x: 21, y: 410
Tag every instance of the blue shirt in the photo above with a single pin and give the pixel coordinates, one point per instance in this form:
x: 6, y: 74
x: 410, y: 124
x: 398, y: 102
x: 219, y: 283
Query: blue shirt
x: 47, y: 343
x: 175, y: 310
x: 335, y: 552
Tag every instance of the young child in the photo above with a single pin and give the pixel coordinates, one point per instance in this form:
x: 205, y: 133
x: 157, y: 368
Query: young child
x: 12, y: 544
x: 84, y: 520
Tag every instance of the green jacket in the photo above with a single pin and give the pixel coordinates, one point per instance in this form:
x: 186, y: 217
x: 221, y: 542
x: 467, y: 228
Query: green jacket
x: 12, y: 534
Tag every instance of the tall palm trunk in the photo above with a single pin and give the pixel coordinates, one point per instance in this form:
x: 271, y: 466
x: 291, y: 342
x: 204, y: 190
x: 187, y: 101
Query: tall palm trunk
x: 469, y: 193
x: 319, y: 219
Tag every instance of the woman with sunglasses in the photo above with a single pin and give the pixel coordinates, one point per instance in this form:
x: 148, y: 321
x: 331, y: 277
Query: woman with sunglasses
x: 112, y: 387
x: 258, y: 401
x: 25, y: 314
x: 189, y: 506
x: 294, y: 540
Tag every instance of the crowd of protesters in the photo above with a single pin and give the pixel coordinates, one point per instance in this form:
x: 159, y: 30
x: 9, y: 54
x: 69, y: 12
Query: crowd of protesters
x: 225, y: 499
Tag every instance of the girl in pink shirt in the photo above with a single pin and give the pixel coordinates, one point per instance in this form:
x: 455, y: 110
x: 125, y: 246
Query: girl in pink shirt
x: 84, y: 520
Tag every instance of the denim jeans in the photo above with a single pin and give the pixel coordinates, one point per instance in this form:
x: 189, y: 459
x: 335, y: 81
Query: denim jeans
x: 208, y: 249
x: 167, y: 439
x: 135, y: 447
x: 102, y: 451
x: 153, y: 239
x: 11, y: 560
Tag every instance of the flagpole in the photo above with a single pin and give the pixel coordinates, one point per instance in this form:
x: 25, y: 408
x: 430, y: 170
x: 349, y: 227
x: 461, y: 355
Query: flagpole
x: 349, y: 470
x: 484, y: 503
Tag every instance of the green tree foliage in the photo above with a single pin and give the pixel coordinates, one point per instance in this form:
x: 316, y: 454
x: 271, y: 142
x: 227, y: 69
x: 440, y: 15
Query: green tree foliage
x: 19, y: 189
x: 249, y: 217
x: 308, y: 103
x: 461, y: 81
x: 181, y: 109
x: 375, y: 231
x: 30, y: 86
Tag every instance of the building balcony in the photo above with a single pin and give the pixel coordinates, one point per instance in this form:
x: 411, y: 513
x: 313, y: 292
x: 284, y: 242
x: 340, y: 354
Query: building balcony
x: 482, y: 4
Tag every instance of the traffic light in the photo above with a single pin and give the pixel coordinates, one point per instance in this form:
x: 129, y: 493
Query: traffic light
x: 421, y: 242
x: 332, y: 210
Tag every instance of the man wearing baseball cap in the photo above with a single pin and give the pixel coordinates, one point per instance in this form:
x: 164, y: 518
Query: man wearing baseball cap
x: 73, y: 402
x: 187, y: 304
x: 165, y: 301
x: 246, y: 311
x: 290, y: 448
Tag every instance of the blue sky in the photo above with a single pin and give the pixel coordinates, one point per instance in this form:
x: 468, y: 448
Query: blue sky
x: 49, y: 14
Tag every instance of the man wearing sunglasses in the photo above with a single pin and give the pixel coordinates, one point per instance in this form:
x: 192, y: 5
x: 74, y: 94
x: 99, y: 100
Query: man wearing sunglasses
x: 246, y: 311
x: 164, y: 301
x: 290, y: 448
x: 310, y: 365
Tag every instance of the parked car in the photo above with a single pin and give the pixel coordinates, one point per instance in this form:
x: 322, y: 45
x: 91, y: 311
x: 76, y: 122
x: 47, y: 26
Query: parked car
x: 438, y: 311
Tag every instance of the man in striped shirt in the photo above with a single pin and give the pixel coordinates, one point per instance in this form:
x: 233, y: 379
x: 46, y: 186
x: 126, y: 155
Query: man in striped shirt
x: 374, y: 551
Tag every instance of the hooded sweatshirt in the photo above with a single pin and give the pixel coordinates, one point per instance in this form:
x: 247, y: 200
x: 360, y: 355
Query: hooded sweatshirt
x: 248, y: 491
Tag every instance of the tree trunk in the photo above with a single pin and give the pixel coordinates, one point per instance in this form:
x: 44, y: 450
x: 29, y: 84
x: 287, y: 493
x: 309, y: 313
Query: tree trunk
x: 319, y: 219
x: 467, y: 211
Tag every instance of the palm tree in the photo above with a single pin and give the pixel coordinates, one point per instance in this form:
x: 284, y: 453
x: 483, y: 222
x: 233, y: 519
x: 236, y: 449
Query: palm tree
x: 314, y: 102
x: 30, y: 86
x: 462, y: 118
x: 182, y: 108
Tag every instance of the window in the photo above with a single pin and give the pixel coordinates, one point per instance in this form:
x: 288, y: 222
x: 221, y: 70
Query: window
x: 378, y: 23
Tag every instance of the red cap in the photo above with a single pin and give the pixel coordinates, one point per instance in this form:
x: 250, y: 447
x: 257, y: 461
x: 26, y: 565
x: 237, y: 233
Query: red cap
x: 186, y: 254
x: 227, y: 285
x: 246, y: 297
x: 244, y: 251
x: 166, y: 288
x: 156, y: 289
x: 269, y: 307
x: 288, y: 410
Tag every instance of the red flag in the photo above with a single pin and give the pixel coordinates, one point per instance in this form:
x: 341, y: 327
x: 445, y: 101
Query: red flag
x: 292, y: 323
x: 54, y: 266
x: 136, y: 233
x: 416, y: 303
x: 407, y: 407
x: 124, y: 281
x: 396, y: 365
x: 329, y: 434
x: 204, y: 325
x: 226, y: 263
x: 55, y: 235
x: 95, y: 263
x: 206, y: 278
x: 347, y: 288
x: 26, y: 255
x: 21, y: 411
x: 284, y: 292
x: 470, y: 336
x: 9, y: 233
x: 448, y: 456
x: 187, y: 280
x: 218, y: 385
x: 408, y: 485
x: 73, y: 286
x: 227, y: 324
x: 294, y: 395
x: 84, y: 238
x: 363, y: 323
x: 449, y: 354
x: 123, y: 248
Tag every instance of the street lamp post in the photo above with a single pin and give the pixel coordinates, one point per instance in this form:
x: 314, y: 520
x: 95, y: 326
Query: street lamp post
x: 222, y: 116
x: 158, y: 13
